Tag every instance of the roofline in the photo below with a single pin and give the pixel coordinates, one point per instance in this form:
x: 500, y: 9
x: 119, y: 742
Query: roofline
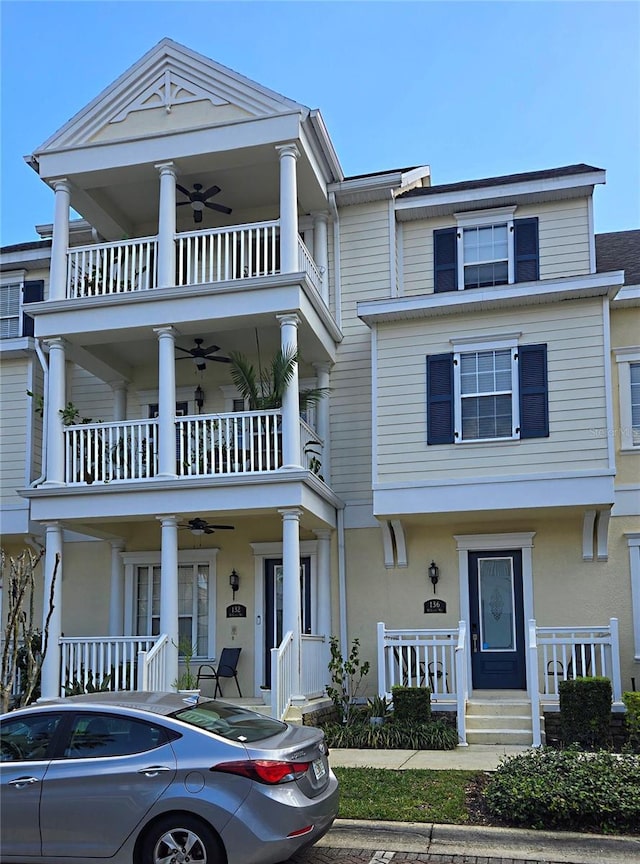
x: 383, y: 186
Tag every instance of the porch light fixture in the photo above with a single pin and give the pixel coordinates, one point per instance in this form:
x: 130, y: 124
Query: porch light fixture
x: 199, y: 397
x: 434, y: 574
x: 234, y: 582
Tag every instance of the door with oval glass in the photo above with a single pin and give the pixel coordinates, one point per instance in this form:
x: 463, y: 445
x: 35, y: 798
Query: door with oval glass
x: 497, y: 620
x: 273, y: 576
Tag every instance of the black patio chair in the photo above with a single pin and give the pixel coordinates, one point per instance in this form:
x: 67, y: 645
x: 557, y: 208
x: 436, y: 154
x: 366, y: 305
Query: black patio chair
x: 227, y: 668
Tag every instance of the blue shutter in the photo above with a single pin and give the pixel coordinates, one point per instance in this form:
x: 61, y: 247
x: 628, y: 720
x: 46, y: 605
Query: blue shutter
x: 445, y: 259
x: 32, y: 292
x: 525, y: 244
x: 440, y: 399
x: 534, y: 391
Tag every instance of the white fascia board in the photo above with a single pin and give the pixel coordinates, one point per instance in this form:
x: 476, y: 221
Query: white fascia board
x: 15, y: 519
x: 628, y: 295
x: 506, y: 493
x: 316, y: 121
x: 14, y: 349
x: 250, y: 493
x: 503, y: 190
x: 517, y: 294
x: 382, y: 185
x: 627, y: 501
x: 20, y: 258
x: 168, y: 146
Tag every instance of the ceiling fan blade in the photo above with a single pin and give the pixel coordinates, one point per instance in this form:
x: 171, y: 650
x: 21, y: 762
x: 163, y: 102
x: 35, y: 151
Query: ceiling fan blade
x: 182, y: 203
x: 211, y: 349
x: 212, y: 190
x: 183, y: 190
x: 209, y: 530
x: 218, y: 207
x: 215, y: 359
x: 223, y: 527
x: 186, y: 351
x: 197, y: 215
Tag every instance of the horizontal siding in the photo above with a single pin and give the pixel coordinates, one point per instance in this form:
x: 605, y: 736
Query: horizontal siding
x: 577, y: 407
x: 91, y: 396
x: 563, y: 235
x: 14, y: 418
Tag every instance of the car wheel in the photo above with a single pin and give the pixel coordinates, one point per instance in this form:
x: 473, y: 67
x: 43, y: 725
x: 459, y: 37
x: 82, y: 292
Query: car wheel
x: 181, y: 839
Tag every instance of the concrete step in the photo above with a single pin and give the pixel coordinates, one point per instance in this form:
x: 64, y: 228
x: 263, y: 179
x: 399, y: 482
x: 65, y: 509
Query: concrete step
x: 476, y: 708
x: 499, y: 736
x: 499, y: 721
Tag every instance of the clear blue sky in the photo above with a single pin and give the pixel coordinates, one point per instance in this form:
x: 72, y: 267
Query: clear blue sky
x: 473, y: 89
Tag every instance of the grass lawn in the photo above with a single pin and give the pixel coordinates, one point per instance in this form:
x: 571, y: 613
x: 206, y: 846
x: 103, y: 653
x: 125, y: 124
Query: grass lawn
x: 404, y: 796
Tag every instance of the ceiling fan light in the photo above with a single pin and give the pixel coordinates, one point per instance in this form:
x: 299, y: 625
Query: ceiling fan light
x: 197, y: 532
x: 198, y: 205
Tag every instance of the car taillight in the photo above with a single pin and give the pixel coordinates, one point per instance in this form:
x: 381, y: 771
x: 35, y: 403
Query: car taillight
x: 268, y: 771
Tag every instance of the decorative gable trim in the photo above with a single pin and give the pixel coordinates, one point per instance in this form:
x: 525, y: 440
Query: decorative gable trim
x: 168, y: 90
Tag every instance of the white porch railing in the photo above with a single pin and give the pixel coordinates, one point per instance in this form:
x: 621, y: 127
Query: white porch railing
x: 308, y: 265
x: 94, y: 660
x: 313, y: 666
x: 281, y: 676
x: 106, y: 452
x: 236, y: 252
x: 418, y: 658
x: 152, y: 665
x: 112, y: 268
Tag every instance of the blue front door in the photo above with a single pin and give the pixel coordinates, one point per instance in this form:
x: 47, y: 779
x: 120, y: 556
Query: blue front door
x: 497, y: 620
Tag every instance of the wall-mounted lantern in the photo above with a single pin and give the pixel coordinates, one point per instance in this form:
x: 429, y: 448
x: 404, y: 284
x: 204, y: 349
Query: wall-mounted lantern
x: 434, y: 574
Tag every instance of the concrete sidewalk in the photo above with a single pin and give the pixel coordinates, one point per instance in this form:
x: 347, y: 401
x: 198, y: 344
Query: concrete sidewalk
x: 475, y: 757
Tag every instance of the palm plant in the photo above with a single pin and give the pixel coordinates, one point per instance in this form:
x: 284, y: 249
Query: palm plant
x: 264, y: 388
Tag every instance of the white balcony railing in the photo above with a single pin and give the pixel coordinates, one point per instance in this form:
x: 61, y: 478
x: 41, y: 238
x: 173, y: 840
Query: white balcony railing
x: 106, y: 452
x: 309, y: 266
x: 314, y: 665
x: 112, y: 268
x: 101, y: 661
x: 281, y: 676
x: 152, y: 666
x: 237, y: 252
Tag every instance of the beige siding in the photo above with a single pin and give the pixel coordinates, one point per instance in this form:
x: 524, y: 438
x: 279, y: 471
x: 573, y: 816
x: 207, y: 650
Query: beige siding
x: 16, y: 408
x: 563, y: 235
x: 577, y: 408
x: 92, y: 397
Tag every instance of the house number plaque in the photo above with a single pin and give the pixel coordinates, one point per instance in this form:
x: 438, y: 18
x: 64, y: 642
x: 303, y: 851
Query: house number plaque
x: 434, y: 606
x: 236, y: 610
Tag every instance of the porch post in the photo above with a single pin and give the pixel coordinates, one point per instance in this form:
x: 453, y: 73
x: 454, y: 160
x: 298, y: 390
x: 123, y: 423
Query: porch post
x: 291, y: 593
x: 167, y: 225
x: 50, y: 673
x: 56, y: 396
x: 323, y: 599
x: 291, y: 398
x: 322, y: 419
x: 116, y: 593
x: 169, y: 595
x: 320, y: 250
x: 288, y: 208
x: 60, y: 240
x: 119, y: 389
x: 166, y: 402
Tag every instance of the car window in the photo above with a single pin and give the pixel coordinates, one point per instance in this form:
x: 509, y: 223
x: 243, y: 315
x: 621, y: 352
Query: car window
x: 230, y: 722
x: 94, y: 735
x: 27, y: 738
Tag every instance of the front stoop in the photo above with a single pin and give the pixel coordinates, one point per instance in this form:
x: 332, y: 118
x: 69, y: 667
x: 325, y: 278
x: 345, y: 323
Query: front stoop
x: 499, y: 718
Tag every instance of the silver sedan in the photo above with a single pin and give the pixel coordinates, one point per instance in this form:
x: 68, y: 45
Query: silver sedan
x: 153, y: 778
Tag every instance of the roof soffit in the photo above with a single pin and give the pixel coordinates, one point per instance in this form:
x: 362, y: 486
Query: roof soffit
x: 167, y: 77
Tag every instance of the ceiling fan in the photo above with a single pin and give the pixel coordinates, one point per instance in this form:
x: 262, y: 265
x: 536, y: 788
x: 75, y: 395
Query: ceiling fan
x: 199, y: 526
x: 199, y: 200
x: 200, y: 355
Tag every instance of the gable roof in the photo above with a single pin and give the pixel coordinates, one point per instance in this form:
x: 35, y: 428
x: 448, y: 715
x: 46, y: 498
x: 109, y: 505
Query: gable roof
x: 167, y: 75
x: 619, y: 250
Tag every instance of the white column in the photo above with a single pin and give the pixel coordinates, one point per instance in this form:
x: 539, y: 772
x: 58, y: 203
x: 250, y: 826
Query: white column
x: 291, y: 596
x: 169, y: 595
x: 166, y: 402
x: 60, y: 241
x: 55, y: 396
x: 322, y: 419
x: 321, y: 250
x: 116, y: 593
x: 167, y: 225
x: 50, y: 675
x: 288, y: 209
x: 323, y: 599
x: 291, y: 398
x: 119, y: 389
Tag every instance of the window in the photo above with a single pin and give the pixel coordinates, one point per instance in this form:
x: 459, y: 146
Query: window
x: 28, y: 739
x: 634, y: 371
x: 13, y: 295
x: 487, y: 392
x: 97, y: 735
x: 486, y: 248
x: 628, y: 360
x: 193, y: 604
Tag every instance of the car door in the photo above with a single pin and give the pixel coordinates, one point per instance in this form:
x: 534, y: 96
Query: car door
x: 114, y: 769
x: 26, y: 743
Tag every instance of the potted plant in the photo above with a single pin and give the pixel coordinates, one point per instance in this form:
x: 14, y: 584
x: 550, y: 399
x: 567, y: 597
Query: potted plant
x: 187, y: 681
x: 379, y: 710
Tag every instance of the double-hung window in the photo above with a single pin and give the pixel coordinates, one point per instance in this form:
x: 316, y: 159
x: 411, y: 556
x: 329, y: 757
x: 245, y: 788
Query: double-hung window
x: 486, y: 248
x: 628, y: 363
x: 487, y: 391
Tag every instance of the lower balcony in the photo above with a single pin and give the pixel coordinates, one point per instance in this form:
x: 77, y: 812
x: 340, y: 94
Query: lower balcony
x: 206, y: 445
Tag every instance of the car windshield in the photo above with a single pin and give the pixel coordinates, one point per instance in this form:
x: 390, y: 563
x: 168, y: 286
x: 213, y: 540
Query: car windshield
x: 230, y: 722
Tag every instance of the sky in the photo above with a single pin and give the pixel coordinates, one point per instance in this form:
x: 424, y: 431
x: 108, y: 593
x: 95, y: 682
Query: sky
x: 472, y: 89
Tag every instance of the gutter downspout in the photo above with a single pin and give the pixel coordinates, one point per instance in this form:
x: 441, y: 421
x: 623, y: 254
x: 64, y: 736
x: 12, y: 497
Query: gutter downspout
x: 45, y: 414
x: 342, y: 584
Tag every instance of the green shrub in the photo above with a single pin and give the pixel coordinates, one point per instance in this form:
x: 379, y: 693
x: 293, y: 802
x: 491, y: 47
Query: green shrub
x: 567, y: 789
x: 585, y: 711
x: 412, y: 704
x: 392, y: 735
x: 347, y: 677
x: 632, y: 720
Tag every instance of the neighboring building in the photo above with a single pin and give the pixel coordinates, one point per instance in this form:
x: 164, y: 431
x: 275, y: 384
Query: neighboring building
x: 465, y: 499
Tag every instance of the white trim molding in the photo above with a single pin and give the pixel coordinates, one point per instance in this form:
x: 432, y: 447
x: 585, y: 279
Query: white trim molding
x: 624, y: 358
x: 633, y: 542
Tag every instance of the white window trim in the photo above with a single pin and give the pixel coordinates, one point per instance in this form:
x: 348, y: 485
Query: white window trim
x: 633, y: 542
x: 480, y: 219
x: 131, y: 560
x: 624, y: 358
x: 466, y: 346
